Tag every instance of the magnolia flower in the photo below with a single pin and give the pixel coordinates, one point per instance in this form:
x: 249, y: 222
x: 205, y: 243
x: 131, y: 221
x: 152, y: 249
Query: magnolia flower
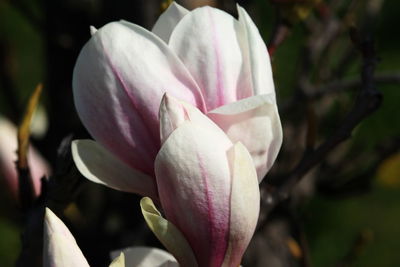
x: 61, y: 250
x: 8, y: 156
x: 205, y: 57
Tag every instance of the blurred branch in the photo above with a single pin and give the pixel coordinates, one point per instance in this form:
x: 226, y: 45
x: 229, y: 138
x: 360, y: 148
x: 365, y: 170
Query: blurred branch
x: 61, y: 189
x: 362, y: 240
x: 338, y: 86
x: 368, y: 100
x: 279, y: 34
x: 335, y: 185
x: 311, y: 92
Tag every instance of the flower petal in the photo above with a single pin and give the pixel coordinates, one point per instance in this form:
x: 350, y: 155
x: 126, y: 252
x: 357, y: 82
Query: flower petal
x: 168, y: 235
x: 245, y: 204
x: 100, y: 166
x: 145, y: 257
x: 118, y: 261
x: 8, y: 146
x: 257, y: 63
x: 206, y: 42
x: 59, y: 246
x: 255, y: 122
x: 193, y: 176
x: 174, y: 113
x: 119, y: 79
x: 168, y: 20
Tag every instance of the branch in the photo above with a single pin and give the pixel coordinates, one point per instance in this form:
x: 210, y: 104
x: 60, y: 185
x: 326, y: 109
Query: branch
x: 368, y: 100
x: 60, y: 190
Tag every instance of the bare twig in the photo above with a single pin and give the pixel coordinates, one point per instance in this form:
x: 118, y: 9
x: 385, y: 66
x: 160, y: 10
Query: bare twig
x: 313, y: 93
x: 361, y: 241
x: 57, y: 193
x: 368, y: 100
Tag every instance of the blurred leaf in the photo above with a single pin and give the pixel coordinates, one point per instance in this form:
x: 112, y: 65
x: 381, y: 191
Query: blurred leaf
x: 24, y: 127
x: 388, y: 173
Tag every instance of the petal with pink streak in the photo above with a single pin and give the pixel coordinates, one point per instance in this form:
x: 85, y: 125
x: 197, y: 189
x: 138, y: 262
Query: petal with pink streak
x: 168, y: 20
x: 193, y: 177
x: 255, y: 122
x: 245, y: 204
x: 59, y: 246
x: 119, y: 79
x: 206, y: 42
x: 257, y: 64
x: 100, y: 166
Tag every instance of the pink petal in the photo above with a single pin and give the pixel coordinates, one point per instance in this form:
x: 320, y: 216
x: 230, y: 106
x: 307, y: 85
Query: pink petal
x: 206, y: 42
x: 173, y: 113
x: 255, y: 122
x: 100, y: 166
x: 193, y: 179
x: 119, y: 79
x: 256, y: 64
x: 168, y: 20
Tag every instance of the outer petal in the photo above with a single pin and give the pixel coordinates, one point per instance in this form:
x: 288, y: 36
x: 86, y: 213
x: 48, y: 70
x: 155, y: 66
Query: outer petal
x: 118, y: 261
x: 257, y: 64
x: 100, y: 166
x: 8, y: 147
x: 168, y: 20
x: 193, y: 177
x: 119, y: 79
x: 144, y: 257
x: 167, y: 233
x: 254, y: 122
x: 206, y: 41
x: 60, y: 248
x: 245, y: 204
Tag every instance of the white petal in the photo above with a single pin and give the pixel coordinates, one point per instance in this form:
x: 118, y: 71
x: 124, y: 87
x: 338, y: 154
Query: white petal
x: 255, y: 122
x: 118, y: 261
x: 194, y: 181
x: 144, y: 257
x: 59, y: 246
x: 92, y: 29
x: 100, y: 166
x: 119, y: 79
x: 168, y: 20
x: 257, y: 62
x: 168, y: 234
x: 174, y: 113
x: 245, y: 204
x: 205, y: 40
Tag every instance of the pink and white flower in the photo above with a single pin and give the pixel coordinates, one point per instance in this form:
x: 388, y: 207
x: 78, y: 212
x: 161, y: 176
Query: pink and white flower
x: 205, y: 57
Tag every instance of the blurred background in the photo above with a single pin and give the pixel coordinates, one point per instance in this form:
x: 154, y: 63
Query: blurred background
x: 344, y: 212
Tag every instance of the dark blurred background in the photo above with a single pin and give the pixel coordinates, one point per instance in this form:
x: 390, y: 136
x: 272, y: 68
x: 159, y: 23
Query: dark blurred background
x: 344, y: 212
